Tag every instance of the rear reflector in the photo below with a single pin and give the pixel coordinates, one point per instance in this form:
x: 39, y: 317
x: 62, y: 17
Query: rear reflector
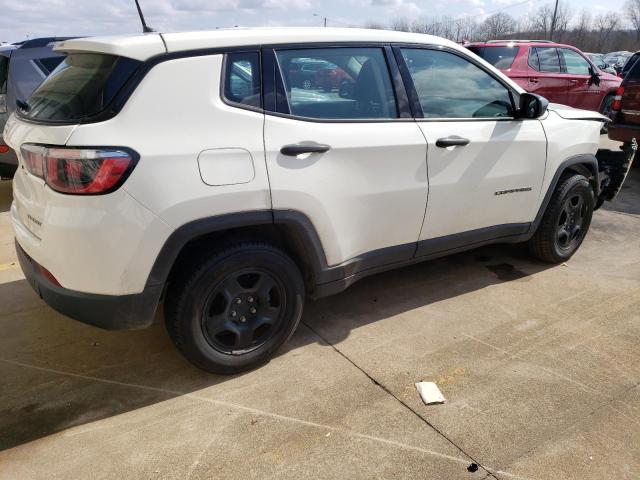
x: 83, y: 171
x: 3, y: 148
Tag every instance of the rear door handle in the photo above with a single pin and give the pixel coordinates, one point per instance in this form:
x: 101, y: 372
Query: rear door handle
x: 452, y: 141
x: 300, y: 148
x: 534, y: 80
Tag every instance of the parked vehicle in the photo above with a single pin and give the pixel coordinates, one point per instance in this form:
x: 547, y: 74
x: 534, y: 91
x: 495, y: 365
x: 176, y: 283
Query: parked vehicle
x: 625, y: 117
x: 309, y: 73
x: 244, y: 198
x: 629, y: 64
x: 598, y: 60
x: 23, y: 67
x: 560, y: 73
x: 617, y: 59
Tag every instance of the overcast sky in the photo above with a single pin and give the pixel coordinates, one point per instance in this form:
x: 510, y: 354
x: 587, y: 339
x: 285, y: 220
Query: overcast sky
x: 35, y: 18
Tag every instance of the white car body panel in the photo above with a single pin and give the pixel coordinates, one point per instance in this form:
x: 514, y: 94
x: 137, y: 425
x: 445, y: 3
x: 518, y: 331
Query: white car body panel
x: 369, y: 192
x: 374, y: 174
x: 463, y: 181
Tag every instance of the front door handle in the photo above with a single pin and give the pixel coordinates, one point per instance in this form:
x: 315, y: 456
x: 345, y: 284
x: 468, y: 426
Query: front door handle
x: 452, y: 141
x: 534, y: 80
x: 300, y: 148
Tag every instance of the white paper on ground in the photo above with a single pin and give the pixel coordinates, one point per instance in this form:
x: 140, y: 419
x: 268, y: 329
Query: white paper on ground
x: 430, y: 393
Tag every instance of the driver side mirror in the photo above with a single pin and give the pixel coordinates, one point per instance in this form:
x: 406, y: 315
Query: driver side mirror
x: 532, y: 105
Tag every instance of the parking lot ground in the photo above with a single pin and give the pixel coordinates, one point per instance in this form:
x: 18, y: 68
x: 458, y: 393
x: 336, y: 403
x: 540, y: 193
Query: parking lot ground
x: 539, y: 364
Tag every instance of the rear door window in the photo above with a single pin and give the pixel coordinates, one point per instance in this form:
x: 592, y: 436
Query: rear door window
x: 545, y: 59
x: 48, y: 64
x: 84, y: 84
x: 337, y: 83
x: 499, y: 57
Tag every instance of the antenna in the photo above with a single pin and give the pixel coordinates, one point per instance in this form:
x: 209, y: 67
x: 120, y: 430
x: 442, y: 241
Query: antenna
x: 145, y: 28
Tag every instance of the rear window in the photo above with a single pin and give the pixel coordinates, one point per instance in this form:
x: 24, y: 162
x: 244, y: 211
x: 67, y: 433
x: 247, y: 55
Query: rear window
x: 630, y: 63
x: 4, y: 64
x: 83, y: 85
x: 634, y: 72
x: 499, y: 57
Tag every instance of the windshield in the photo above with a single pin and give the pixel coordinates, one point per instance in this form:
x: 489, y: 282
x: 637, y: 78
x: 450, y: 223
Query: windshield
x: 499, y: 57
x: 81, y: 86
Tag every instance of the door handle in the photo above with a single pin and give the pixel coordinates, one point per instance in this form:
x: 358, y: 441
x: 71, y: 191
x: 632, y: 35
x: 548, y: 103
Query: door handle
x: 534, y: 80
x: 452, y: 141
x: 573, y: 81
x: 296, y: 149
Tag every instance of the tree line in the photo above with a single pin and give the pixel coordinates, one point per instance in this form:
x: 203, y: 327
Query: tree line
x: 604, y: 32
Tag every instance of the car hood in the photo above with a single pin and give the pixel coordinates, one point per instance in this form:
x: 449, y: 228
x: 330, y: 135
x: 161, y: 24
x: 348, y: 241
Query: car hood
x: 570, y: 113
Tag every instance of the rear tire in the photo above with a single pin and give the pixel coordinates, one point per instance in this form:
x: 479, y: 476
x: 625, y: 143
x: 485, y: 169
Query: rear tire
x: 233, y: 311
x: 565, y: 222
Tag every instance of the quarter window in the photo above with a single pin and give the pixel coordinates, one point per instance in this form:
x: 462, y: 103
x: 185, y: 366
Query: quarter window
x: 337, y: 83
x: 574, y: 62
x: 450, y: 86
x: 242, y: 79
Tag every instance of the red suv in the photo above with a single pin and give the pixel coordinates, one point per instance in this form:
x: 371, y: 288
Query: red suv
x: 560, y: 73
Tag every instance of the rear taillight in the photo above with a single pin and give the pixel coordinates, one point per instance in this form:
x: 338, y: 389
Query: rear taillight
x: 78, y: 170
x: 4, y: 148
x: 617, y: 100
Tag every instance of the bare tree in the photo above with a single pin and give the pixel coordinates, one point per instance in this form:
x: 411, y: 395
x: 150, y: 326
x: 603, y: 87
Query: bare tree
x: 400, y: 25
x: 374, y: 25
x: 605, y: 24
x: 632, y: 10
x: 582, y: 29
x: 499, y: 25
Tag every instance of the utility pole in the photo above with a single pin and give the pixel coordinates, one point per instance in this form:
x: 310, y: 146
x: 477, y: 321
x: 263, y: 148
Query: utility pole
x: 553, y: 21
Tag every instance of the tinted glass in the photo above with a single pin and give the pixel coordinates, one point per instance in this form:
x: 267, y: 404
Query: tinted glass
x: 337, y: 83
x: 548, y: 60
x: 499, y: 57
x: 450, y: 86
x: 4, y: 64
x: 574, y: 62
x: 49, y: 64
x: 83, y: 85
x: 242, y: 79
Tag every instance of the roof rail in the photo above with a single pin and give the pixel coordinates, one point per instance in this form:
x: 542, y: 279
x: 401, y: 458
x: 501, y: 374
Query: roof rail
x: 42, y: 42
x: 519, y: 41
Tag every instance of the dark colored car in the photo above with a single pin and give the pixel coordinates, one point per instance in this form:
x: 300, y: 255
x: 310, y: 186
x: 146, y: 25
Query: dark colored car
x: 625, y: 115
x: 23, y: 67
x: 560, y: 73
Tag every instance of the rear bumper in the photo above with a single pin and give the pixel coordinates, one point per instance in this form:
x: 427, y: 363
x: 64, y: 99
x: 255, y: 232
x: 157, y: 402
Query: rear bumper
x: 111, y: 312
x: 623, y: 132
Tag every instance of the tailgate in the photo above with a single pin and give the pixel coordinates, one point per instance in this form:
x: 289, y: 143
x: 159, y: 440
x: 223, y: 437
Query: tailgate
x: 614, y: 167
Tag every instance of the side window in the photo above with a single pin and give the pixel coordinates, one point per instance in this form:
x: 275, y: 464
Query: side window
x: 450, y: 86
x: 48, y: 64
x: 548, y: 60
x: 4, y: 70
x: 337, y: 83
x: 574, y: 62
x: 242, y: 79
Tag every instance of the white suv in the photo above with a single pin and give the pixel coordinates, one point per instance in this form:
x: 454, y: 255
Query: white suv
x: 213, y: 172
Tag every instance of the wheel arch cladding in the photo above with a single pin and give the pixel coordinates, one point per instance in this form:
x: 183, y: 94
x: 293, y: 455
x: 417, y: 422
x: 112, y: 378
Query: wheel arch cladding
x: 583, y: 164
x: 289, y: 230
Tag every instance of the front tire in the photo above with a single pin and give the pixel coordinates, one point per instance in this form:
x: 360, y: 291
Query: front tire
x: 565, y: 222
x: 233, y: 311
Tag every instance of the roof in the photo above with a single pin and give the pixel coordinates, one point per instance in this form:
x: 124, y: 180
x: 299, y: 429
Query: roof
x: 498, y: 43
x: 144, y: 46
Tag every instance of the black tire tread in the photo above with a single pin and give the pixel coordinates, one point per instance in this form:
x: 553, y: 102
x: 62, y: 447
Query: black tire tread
x: 541, y: 245
x: 186, y: 278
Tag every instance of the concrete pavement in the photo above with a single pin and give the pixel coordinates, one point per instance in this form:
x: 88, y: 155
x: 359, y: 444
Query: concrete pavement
x: 539, y: 365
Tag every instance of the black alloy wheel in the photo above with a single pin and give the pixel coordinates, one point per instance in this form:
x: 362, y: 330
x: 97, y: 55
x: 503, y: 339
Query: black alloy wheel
x: 243, y: 311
